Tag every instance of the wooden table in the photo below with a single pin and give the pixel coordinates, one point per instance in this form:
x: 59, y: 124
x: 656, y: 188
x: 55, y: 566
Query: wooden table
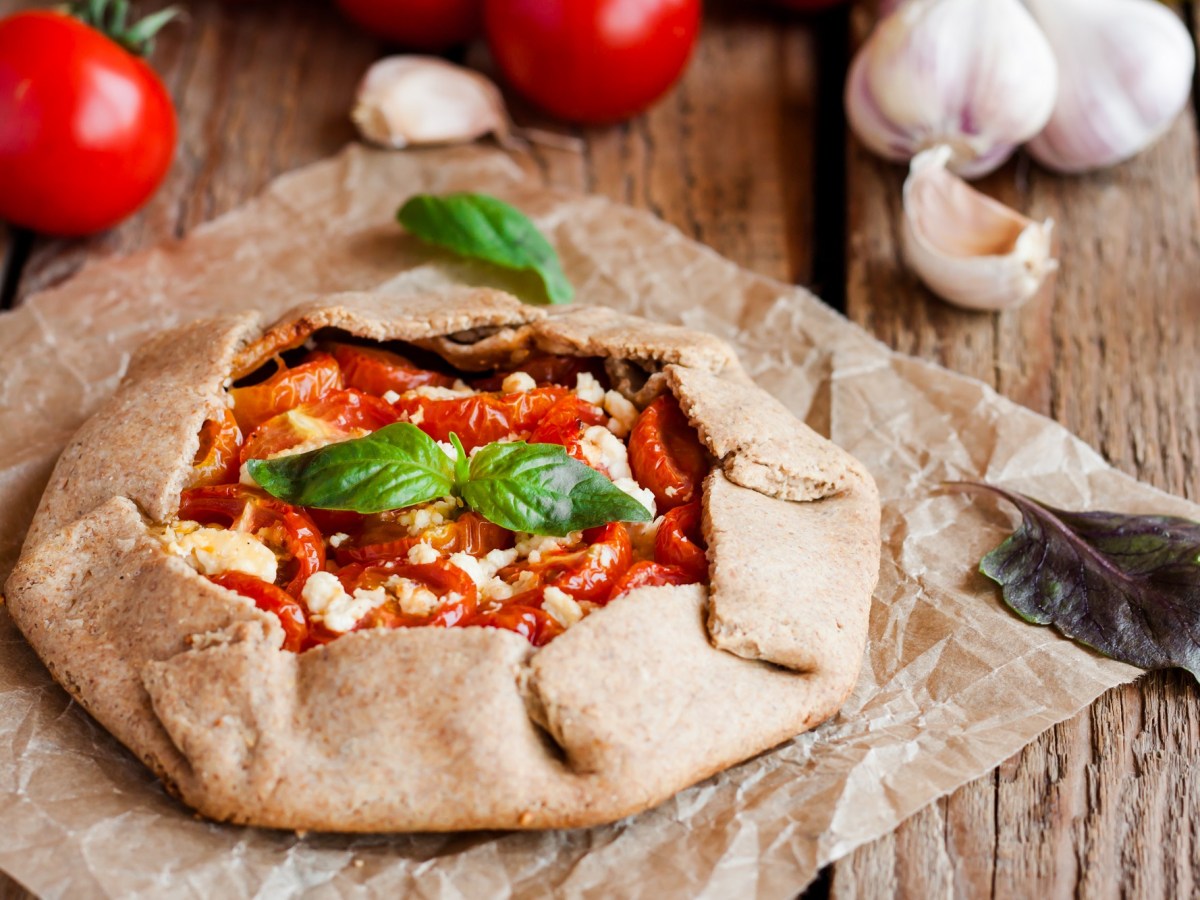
x: 750, y: 155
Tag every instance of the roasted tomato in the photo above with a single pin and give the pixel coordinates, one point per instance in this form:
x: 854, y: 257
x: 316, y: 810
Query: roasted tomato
x: 378, y: 371
x: 384, y: 538
x: 665, y: 454
x: 217, y: 459
x: 451, y: 585
x: 535, y: 625
x: 560, y: 370
x: 680, y: 542
x: 272, y: 599
x: 565, y: 424
x: 282, y: 527
x: 650, y: 574
x: 286, y: 389
x: 481, y: 418
x: 590, y: 572
x: 338, y: 416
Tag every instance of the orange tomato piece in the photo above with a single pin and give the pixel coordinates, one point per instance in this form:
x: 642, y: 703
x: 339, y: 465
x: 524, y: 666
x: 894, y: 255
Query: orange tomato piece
x: 446, y: 581
x: 566, y: 423
x: 666, y: 455
x: 650, y: 574
x: 338, y: 416
x: 217, y: 458
x: 481, y: 418
x: 286, y: 389
x: 534, y: 624
x: 378, y: 371
x: 680, y: 543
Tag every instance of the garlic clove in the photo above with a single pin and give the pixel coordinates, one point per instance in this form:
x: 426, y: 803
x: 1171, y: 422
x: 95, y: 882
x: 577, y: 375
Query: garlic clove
x: 413, y: 100
x: 1125, y: 74
x: 975, y: 75
x: 966, y: 247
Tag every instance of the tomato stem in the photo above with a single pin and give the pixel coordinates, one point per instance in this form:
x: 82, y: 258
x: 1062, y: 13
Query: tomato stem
x: 111, y: 18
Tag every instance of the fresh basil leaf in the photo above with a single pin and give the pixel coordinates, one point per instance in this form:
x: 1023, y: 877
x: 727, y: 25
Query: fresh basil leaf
x: 538, y: 488
x: 394, y: 467
x: 462, y: 463
x: 482, y: 227
x: 1128, y: 586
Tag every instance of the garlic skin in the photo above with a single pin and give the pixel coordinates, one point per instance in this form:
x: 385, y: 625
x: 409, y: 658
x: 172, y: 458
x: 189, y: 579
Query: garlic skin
x: 1125, y: 74
x: 975, y: 75
x: 411, y: 100
x: 966, y: 247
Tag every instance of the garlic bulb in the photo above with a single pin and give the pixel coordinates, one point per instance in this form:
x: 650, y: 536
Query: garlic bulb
x: 1125, y: 73
x: 975, y: 75
x: 404, y: 100
x: 967, y: 248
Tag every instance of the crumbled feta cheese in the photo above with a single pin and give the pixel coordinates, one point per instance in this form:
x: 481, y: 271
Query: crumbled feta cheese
x: 418, y: 518
x: 561, y: 606
x: 390, y: 396
x: 433, y: 392
x: 336, y: 540
x: 533, y: 546
x: 605, y: 451
x: 642, y: 495
x: 414, y: 598
x: 518, y: 383
x: 213, y: 551
x: 448, y: 449
x: 422, y: 554
x: 624, y: 414
x: 482, y: 571
x: 329, y: 603
x: 642, y: 536
x: 670, y: 490
x: 588, y: 388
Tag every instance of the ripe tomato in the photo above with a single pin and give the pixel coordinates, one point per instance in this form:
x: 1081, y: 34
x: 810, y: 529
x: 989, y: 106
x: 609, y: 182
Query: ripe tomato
x: 441, y: 577
x: 422, y: 24
x: 338, y: 415
x: 588, y: 573
x: 535, y: 625
x: 560, y: 370
x: 269, y: 598
x: 566, y: 423
x: 384, y: 538
x: 481, y: 418
x: 680, y: 542
x: 379, y: 371
x: 286, y: 389
x: 649, y: 574
x: 87, y: 130
x: 217, y: 458
x: 591, y: 61
x: 665, y: 454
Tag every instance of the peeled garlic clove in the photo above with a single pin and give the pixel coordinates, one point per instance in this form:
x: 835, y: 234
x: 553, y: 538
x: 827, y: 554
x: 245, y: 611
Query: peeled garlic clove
x: 410, y: 100
x: 975, y: 75
x: 1125, y: 73
x: 966, y: 247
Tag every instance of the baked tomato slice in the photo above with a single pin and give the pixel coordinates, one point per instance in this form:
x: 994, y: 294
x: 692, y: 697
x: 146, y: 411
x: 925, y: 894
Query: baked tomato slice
x: 284, y: 528
x: 666, y: 455
x: 481, y: 418
x: 566, y: 423
x: 438, y: 593
x: 650, y: 574
x: 384, y: 538
x: 680, y: 541
x: 220, y: 444
x: 587, y: 573
x: 560, y: 370
x: 286, y: 389
x: 338, y: 416
x: 535, y: 625
x: 272, y: 599
x: 378, y: 371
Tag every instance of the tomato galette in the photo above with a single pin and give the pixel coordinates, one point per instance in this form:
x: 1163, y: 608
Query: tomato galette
x: 447, y: 562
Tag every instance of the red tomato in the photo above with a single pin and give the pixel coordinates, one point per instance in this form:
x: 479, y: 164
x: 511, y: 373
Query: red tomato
x: 339, y: 415
x: 565, y: 424
x: 379, y: 371
x: 586, y: 574
x: 592, y: 61
x: 87, y: 130
x: 680, y: 542
x: 270, y: 599
x: 560, y: 370
x: 383, y: 538
x: 482, y: 418
x: 217, y: 459
x: 441, y: 577
x: 665, y: 454
x: 650, y: 574
x: 535, y: 625
x: 285, y: 390
x: 282, y: 527
x: 423, y: 24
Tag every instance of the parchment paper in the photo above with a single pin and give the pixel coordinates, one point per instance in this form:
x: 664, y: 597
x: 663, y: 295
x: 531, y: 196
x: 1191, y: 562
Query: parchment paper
x: 951, y: 686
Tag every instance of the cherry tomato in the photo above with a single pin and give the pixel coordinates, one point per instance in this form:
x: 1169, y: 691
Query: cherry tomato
x: 383, y: 538
x: 566, y: 423
x: 665, y: 454
x: 591, y: 61
x: 87, y: 130
x: 535, y: 625
x: 586, y: 574
x: 269, y: 598
x: 680, y: 542
x: 379, y: 371
x: 217, y: 458
x: 337, y: 416
x: 481, y: 418
x: 421, y: 24
x: 650, y: 574
x: 441, y: 577
x: 282, y: 527
x: 560, y: 370
x: 286, y: 389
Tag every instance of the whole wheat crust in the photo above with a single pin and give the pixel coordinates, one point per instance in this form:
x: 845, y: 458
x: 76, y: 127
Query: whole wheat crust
x: 429, y: 729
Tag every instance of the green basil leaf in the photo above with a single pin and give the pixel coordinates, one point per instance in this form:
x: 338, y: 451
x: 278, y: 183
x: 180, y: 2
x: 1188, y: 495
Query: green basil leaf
x: 1127, y: 586
x: 538, y: 488
x: 482, y: 227
x: 394, y: 467
x: 462, y: 462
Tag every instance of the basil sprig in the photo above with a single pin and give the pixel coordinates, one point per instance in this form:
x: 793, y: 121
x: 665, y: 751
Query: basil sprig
x: 482, y: 227
x: 536, y: 488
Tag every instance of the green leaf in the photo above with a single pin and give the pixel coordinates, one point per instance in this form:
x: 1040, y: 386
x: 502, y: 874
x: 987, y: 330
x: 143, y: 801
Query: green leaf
x: 538, y: 488
x: 462, y: 463
x: 397, y: 466
x: 482, y: 227
x: 1127, y: 586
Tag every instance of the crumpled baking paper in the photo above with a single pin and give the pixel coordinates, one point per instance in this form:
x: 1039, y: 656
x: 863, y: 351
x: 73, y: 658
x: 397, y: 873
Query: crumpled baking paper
x: 952, y: 683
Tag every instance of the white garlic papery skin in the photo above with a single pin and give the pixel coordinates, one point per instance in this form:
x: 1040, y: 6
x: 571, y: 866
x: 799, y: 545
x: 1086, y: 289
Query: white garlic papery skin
x: 407, y: 100
x: 1125, y: 74
x: 966, y: 247
x: 975, y: 75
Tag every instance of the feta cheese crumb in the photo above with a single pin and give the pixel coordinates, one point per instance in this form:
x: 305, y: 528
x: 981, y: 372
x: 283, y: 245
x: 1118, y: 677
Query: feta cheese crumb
x: 482, y: 571
x: 642, y: 495
x: 518, y: 383
x: 448, y: 449
x: 534, y: 546
x: 414, y: 598
x: 433, y: 392
x: 624, y: 414
x: 422, y: 554
x: 588, y: 388
x: 390, y: 396
x: 561, y: 606
x: 418, y: 518
x: 329, y: 603
x: 605, y: 451
x: 213, y: 551
x: 336, y: 540
x: 642, y: 536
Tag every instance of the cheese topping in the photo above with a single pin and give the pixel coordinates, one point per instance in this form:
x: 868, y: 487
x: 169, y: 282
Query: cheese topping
x: 588, y: 388
x: 417, y: 519
x: 518, y: 383
x: 214, y: 551
x: 624, y: 414
x: 329, y: 603
x: 605, y: 451
x: 561, y: 606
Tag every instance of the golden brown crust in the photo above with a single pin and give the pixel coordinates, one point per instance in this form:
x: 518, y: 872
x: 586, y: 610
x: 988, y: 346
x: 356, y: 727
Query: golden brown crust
x: 428, y: 729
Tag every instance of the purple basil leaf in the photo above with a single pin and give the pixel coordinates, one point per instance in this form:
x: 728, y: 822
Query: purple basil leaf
x: 1128, y: 586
